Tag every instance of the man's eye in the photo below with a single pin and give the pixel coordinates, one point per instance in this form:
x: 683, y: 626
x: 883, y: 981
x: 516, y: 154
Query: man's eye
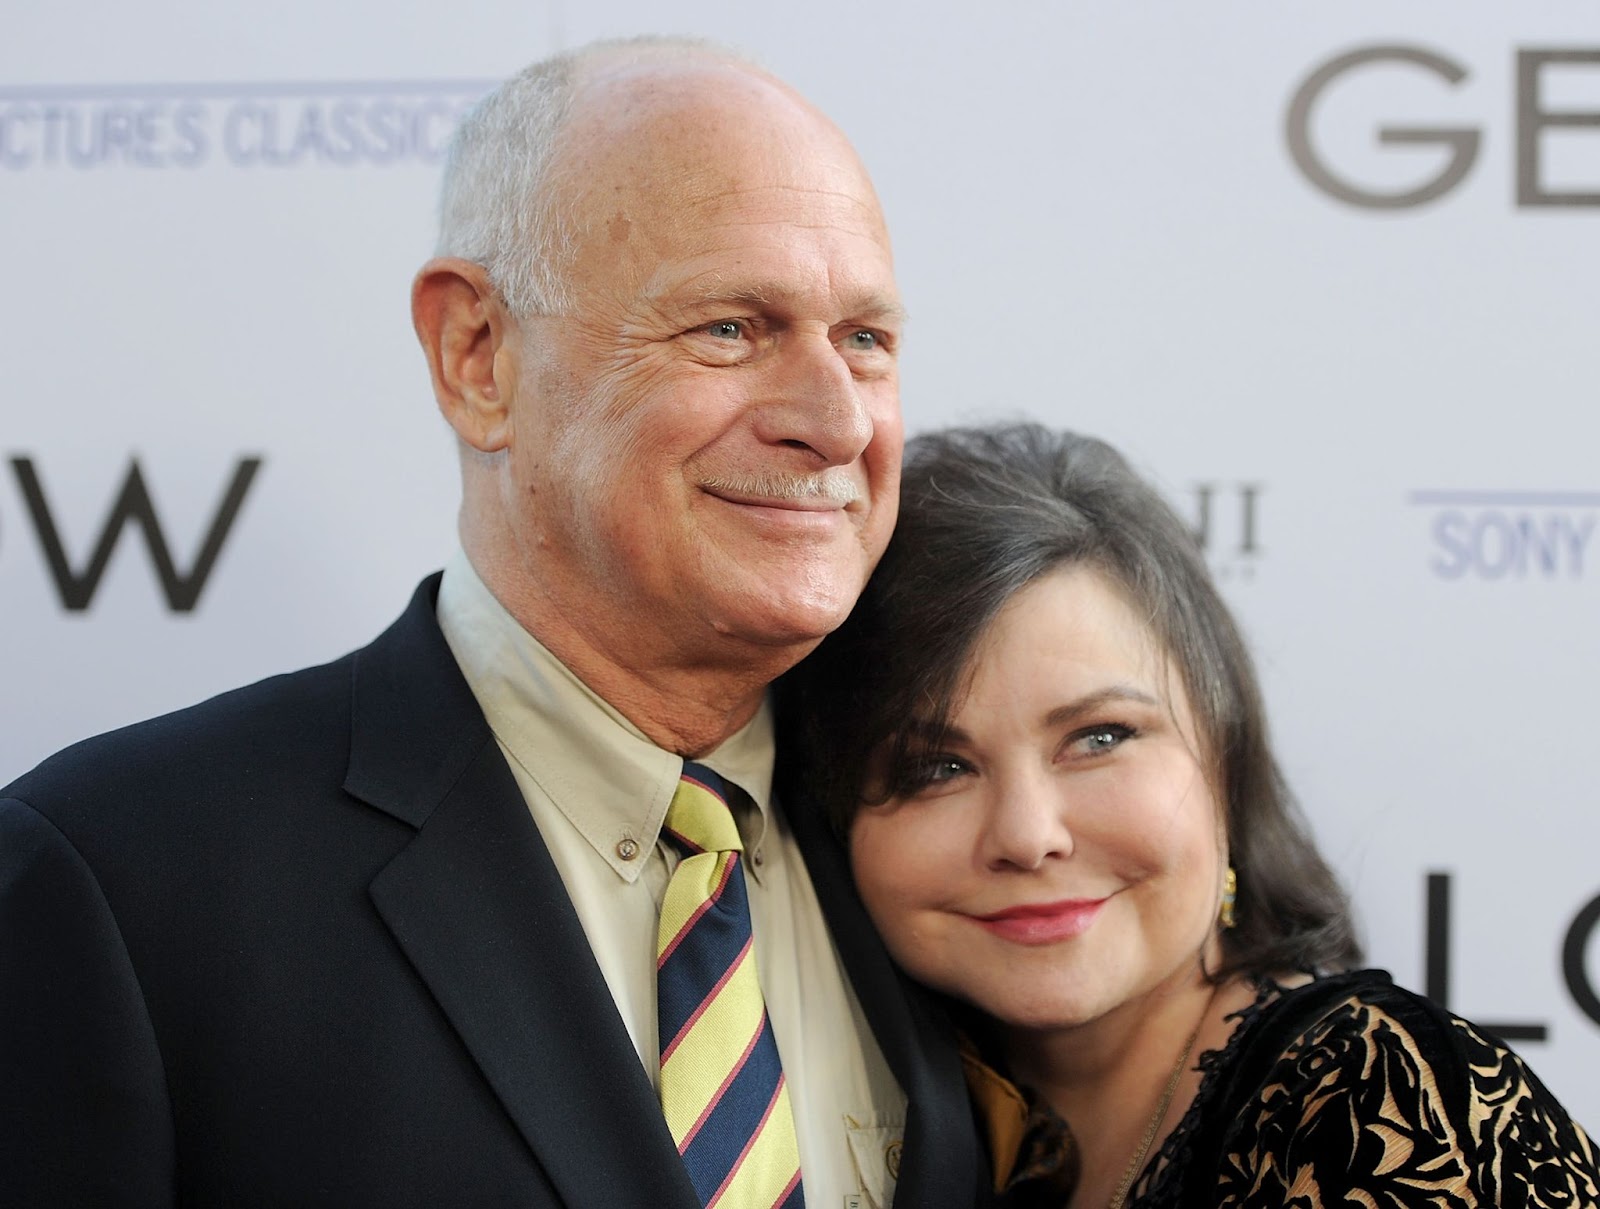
x: 725, y: 329
x: 862, y: 341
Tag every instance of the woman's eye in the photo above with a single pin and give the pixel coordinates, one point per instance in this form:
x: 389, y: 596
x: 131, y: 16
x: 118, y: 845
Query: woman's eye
x: 1096, y: 740
x: 935, y: 771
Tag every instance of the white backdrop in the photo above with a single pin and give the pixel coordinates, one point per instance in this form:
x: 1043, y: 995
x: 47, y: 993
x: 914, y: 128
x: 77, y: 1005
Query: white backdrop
x: 1383, y: 415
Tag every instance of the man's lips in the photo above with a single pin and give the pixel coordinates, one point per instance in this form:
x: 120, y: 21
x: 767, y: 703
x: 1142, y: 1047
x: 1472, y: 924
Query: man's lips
x: 836, y: 489
x: 786, y: 503
x: 1042, y: 923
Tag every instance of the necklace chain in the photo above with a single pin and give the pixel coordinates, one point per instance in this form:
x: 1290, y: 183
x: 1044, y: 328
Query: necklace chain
x: 1120, y: 1197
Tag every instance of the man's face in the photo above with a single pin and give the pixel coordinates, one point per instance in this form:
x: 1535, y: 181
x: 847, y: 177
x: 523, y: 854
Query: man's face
x: 707, y: 445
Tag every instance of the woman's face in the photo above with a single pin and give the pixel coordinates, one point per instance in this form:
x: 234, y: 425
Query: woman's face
x: 1063, y: 856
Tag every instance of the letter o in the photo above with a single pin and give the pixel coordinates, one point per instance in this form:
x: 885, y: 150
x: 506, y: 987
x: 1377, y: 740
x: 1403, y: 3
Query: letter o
x: 1505, y: 536
x: 1572, y: 965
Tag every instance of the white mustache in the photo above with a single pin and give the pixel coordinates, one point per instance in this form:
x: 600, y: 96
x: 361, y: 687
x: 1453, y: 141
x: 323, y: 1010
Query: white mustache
x: 835, y: 485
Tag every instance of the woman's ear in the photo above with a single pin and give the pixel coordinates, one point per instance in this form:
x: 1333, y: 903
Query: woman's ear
x: 464, y: 329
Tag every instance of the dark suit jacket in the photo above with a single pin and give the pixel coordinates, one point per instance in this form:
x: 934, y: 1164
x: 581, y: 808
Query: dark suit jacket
x: 302, y: 945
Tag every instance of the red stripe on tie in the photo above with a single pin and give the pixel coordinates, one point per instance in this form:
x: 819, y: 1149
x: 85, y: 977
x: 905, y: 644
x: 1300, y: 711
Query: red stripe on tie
x: 754, y: 1134
x: 711, y: 901
x: 684, y: 841
x: 694, y: 780
x: 706, y: 1002
x: 716, y: 1097
x: 785, y: 1194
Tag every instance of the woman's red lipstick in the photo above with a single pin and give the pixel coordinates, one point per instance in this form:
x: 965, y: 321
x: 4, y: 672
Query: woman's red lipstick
x: 1042, y: 923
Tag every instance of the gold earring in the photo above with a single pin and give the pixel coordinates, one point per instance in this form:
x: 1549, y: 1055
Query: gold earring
x: 1230, y: 895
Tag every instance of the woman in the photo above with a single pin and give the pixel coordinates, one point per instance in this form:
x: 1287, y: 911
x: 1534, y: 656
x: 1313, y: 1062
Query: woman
x: 1042, y: 740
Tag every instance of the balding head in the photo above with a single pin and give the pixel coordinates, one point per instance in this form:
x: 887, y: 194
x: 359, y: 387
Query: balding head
x: 516, y: 183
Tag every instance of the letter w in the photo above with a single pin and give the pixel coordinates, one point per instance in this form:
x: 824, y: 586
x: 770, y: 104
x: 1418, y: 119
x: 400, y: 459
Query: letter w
x: 77, y: 589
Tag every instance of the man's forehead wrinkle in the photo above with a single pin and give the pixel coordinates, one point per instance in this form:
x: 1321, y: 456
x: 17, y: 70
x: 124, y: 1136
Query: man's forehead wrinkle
x: 709, y: 183
x: 713, y: 286
x: 725, y: 185
x: 723, y: 191
x: 742, y: 206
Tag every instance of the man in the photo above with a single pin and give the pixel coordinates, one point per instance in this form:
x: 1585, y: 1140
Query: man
x: 386, y: 932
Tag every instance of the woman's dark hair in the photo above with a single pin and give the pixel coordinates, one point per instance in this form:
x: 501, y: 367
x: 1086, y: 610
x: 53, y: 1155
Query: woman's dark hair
x: 985, y: 512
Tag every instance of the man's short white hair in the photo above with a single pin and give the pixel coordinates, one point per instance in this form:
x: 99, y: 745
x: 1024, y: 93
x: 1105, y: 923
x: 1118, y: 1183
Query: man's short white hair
x: 501, y: 204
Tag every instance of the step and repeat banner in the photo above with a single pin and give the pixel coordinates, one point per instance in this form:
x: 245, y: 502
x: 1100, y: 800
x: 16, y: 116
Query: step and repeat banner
x: 1331, y: 275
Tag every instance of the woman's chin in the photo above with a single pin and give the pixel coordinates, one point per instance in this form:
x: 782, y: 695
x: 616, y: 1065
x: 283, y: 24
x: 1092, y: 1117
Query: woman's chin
x: 1038, y: 1013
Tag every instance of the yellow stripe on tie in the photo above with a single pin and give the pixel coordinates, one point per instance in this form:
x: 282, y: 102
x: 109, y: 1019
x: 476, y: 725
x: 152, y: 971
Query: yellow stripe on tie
x: 700, y: 815
x: 712, y: 1049
x: 771, y: 1164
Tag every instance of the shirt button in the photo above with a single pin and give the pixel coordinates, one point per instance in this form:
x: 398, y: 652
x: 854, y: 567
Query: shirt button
x: 627, y: 849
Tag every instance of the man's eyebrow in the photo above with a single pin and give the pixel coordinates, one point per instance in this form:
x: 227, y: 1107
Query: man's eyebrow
x: 882, y: 310
x: 744, y: 296
x: 874, y: 307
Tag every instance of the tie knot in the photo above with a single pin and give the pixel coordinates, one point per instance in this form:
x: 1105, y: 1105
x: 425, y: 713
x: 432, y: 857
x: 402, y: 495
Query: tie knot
x: 699, y: 819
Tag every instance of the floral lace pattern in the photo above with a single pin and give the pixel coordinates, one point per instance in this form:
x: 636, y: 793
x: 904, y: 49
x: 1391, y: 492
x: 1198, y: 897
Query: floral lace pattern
x: 1370, y: 1096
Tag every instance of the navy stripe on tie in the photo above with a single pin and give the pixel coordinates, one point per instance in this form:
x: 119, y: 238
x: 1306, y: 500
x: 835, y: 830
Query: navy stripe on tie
x: 682, y: 842
x: 689, y: 971
x: 706, y: 777
x: 735, y: 1118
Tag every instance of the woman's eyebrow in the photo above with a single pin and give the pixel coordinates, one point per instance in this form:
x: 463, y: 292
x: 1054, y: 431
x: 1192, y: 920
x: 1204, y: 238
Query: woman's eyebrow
x: 1090, y: 702
x: 921, y: 728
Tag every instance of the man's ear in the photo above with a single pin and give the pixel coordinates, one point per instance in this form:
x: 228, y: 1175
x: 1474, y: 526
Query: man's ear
x: 464, y: 329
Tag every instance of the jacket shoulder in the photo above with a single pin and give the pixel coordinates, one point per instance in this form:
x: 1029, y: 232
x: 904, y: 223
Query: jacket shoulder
x: 232, y: 726
x: 263, y: 740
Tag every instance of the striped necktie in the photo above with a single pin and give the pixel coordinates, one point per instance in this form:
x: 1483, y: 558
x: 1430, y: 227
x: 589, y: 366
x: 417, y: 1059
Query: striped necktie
x: 722, y: 1086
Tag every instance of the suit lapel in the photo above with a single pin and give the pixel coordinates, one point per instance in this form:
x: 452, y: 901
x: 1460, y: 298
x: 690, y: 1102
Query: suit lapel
x: 479, y: 909
x: 941, y: 1159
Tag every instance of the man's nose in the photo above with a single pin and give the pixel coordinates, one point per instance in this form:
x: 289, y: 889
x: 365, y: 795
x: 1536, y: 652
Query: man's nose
x: 814, y: 400
x: 1026, y: 825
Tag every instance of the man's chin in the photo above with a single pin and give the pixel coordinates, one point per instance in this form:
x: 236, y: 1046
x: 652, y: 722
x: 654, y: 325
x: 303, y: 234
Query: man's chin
x: 797, y: 624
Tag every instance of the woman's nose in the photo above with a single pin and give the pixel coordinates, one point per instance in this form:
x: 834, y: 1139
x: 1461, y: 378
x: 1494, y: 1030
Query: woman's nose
x: 1027, y: 824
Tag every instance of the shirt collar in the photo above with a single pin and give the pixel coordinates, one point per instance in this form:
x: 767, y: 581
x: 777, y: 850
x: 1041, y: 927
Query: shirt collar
x: 605, y: 777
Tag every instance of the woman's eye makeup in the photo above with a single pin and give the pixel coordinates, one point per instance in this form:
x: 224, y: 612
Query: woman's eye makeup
x: 936, y: 770
x: 932, y: 770
x: 944, y: 768
x: 1100, y: 738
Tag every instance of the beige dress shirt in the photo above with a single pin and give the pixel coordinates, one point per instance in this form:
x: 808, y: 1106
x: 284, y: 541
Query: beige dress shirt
x: 598, y: 791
